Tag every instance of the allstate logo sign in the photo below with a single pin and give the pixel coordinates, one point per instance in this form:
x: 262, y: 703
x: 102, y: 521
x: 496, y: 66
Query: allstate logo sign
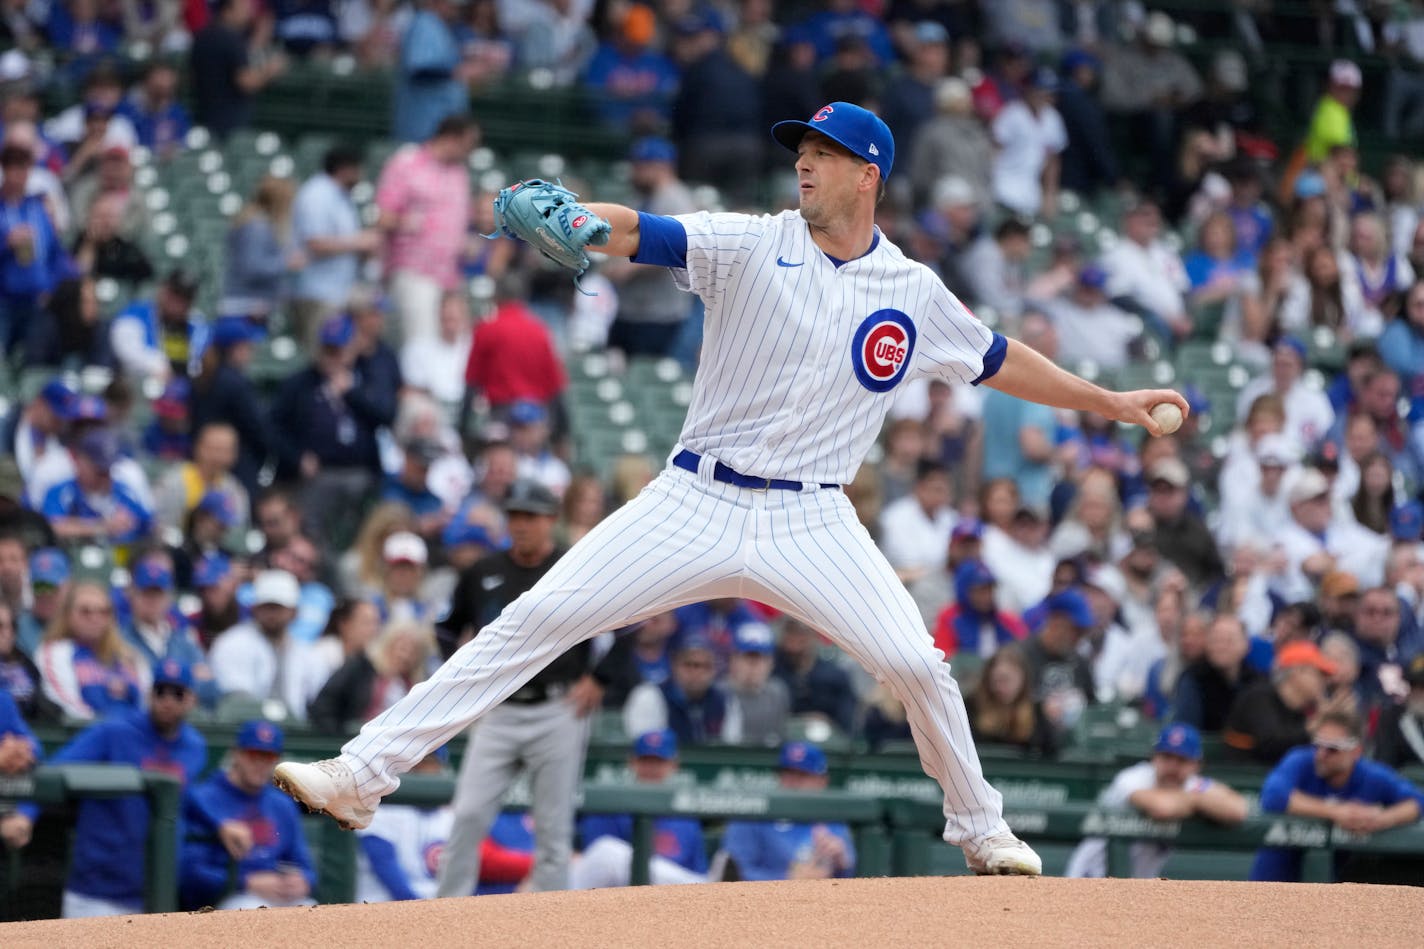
x: 881, y: 349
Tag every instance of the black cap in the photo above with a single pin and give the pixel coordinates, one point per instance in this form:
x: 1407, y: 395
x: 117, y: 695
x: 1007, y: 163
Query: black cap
x: 530, y: 497
x: 425, y: 450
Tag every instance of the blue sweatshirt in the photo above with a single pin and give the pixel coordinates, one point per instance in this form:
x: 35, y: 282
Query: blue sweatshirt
x: 110, y: 835
x: 679, y: 839
x: 276, y: 838
x: 766, y: 851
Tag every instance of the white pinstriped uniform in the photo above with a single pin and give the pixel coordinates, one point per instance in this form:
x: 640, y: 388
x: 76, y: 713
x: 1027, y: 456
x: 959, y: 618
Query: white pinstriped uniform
x: 794, y: 350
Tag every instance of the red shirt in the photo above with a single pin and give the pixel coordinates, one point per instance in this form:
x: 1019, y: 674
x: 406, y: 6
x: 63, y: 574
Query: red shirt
x: 512, y: 358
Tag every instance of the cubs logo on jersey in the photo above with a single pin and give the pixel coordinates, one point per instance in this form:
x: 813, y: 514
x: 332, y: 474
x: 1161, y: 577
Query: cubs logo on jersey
x: 881, y: 348
x: 430, y: 857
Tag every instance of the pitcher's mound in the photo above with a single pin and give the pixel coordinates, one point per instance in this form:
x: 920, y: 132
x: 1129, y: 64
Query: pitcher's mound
x: 863, y: 914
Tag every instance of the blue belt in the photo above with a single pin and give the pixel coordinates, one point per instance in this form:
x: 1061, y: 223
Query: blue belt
x: 687, y: 461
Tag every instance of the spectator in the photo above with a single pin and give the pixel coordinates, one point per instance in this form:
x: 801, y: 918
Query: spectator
x: 819, y: 687
x: 113, y: 178
x: 1093, y: 523
x: 215, y: 583
x: 185, y: 486
x: 436, y: 365
x: 410, y: 486
x: 226, y: 76
x: 19, y: 677
x: 1061, y: 680
x: 1331, y: 780
x: 689, y: 703
x: 1209, y: 688
x: 325, y: 429
x: 259, y: 659
x: 94, y: 504
x: 1031, y: 137
x: 20, y: 751
x: 38, y: 429
x: 32, y: 259
x: 251, y: 824
x: 1024, y: 460
x: 102, y: 249
x: 972, y: 623
x: 1152, y: 84
x: 301, y: 558
x: 404, y: 555
x: 651, y: 309
x: 49, y: 585
x: 423, y: 197
x: 1089, y: 161
x: 995, y: 268
x: 1259, y: 512
x: 718, y: 622
x: 45, y: 161
x: 790, y: 851
x: 159, y: 120
x: 1399, y: 737
x: 351, y: 627
x: 1020, y: 558
x: 529, y: 433
x: 70, y: 333
x: 305, y: 27
x: 1179, y: 532
x: 361, y: 566
x: 1383, y: 655
x: 374, y: 679
x: 1220, y: 274
x: 1269, y: 718
x: 327, y: 231
x: 916, y: 531
x: 910, y: 97
x: 632, y: 84
x: 277, y: 517
x: 430, y: 86
x: 640, y: 654
x: 1169, y: 787
x: 1002, y: 708
x: 1314, y: 542
x: 1332, y: 124
x: 225, y: 398
x: 1309, y: 416
x: 1401, y: 345
x: 710, y: 114
x: 164, y: 336
x: 764, y: 701
x: 585, y: 505
x: 106, y: 870
x: 154, y: 629
x: 953, y: 142
x: 1089, y: 325
x: 261, y: 251
x: 679, y: 853
x: 1374, y: 500
x: 512, y: 355
x: 1147, y: 277
x: 1323, y: 298
x: 1383, y: 276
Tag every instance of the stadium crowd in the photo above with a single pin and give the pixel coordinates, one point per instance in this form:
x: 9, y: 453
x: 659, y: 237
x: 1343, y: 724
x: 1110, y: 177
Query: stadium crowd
x: 308, y: 552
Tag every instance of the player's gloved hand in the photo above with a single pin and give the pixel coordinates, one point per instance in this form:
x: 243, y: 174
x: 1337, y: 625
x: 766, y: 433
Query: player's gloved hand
x: 550, y: 217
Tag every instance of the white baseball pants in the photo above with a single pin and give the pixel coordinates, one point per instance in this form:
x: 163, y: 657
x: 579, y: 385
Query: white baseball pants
x: 684, y: 539
x: 608, y: 861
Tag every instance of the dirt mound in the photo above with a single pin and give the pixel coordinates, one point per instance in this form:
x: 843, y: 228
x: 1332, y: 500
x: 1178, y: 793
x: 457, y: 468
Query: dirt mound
x: 864, y: 914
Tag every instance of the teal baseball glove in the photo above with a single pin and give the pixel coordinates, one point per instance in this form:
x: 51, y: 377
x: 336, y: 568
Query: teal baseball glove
x: 550, y: 217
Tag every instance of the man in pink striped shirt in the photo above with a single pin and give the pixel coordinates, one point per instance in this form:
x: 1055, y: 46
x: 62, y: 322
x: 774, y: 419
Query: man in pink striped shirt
x: 424, y: 200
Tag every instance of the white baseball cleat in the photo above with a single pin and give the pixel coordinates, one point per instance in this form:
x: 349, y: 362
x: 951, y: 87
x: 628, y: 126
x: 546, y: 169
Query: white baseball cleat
x: 325, y: 787
x: 1002, y: 855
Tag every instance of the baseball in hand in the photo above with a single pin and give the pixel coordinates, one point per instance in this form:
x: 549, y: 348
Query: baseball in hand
x: 1167, y: 416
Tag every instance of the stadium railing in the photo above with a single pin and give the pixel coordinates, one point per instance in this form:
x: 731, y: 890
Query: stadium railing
x: 64, y: 784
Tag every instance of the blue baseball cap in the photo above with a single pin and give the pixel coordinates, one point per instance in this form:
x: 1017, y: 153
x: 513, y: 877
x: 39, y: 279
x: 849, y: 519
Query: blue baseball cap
x: 753, y: 637
x: 258, y: 735
x: 173, y: 401
x: 1309, y: 184
x: 1293, y: 343
x: 974, y: 573
x: 1093, y: 276
x: 802, y: 756
x: 1079, y: 57
x: 1406, y: 521
x: 101, y: 447
x: 689, y: 641
x: 526, y: 412
x: 1184, y: 741
x: 652, y: 149
x: 49, y: 565
x: 173, y: 672
x: 59, y: 397
x: 152, y: 574
x: 337, y: 331
x: 861, y: 131
x: 210, y: 569
x: 220, y: 505
x: 968, y: 527
x: 1074, y: 605
x: 658, y: 744
x: 461, y: 531
x: 231, y: 330
x: 88, y: 408
x: 1044, y: 78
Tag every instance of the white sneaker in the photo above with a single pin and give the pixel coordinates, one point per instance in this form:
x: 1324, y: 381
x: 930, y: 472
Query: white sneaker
x: 325, y: 787
x: 1002, y: 854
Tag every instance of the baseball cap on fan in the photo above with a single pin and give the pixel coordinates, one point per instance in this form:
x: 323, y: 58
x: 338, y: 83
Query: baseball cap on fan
x: 859, y: 130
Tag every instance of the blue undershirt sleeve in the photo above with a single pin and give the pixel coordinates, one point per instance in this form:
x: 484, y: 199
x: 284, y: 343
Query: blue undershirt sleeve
x: 386, y: 865
x: 993, y: 357
x: 662, y: 241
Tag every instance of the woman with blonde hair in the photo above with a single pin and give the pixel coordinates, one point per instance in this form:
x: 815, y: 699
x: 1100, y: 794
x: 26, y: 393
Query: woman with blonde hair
x: 1093, y: 522
x: 85, y: 666
x: 1002, y: 709
x: 261, y: 251
x: 362, y: 569
x: 585, y: 503
x: 376, y: 678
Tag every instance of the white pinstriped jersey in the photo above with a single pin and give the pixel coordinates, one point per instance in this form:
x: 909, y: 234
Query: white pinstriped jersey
x: 800, y: 357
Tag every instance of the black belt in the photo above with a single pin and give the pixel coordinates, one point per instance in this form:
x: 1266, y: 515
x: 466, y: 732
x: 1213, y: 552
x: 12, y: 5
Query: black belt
x: 688, y: 460
x: 536, y: 694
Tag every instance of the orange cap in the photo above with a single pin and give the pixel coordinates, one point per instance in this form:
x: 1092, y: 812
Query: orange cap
x: 639, y: 24
x: 1301, y: 653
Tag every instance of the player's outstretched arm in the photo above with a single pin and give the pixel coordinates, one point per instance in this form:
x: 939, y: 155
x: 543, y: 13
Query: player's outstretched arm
x: 623, y: 242
x: 1027, y: 374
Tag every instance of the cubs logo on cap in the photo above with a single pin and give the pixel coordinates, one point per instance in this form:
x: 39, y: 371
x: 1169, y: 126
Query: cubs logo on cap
x: 259, y: 735
x: 881, y: 348
x: 1184, y: 741
x: 659, y: 744
x: 804, y: 757
x: 856, y: 129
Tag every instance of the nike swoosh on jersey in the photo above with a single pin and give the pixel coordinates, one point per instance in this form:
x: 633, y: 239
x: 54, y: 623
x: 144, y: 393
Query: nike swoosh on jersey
x: 782, y: 263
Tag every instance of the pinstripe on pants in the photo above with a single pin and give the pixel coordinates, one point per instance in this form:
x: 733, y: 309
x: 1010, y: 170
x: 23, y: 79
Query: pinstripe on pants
x: 687, y: 538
